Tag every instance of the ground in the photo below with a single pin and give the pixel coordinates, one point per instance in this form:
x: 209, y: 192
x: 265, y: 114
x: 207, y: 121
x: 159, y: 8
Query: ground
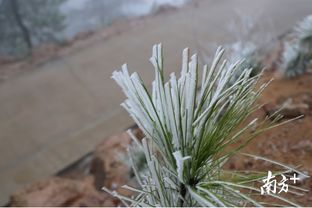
x: 289, y: 143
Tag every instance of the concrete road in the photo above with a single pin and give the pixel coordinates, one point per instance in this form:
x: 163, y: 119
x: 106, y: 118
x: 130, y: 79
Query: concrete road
x: 57, y: 113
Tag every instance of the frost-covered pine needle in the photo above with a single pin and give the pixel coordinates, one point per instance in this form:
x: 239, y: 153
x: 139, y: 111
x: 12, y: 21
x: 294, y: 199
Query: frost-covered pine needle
x: 188, y: 131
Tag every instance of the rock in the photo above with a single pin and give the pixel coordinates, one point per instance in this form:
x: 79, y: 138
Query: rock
x: 270, y: 109
x: 106, y: 166
x: 294, y: 110
x: 288, y: 109
x: 98, y: 170
x: 57, y: 191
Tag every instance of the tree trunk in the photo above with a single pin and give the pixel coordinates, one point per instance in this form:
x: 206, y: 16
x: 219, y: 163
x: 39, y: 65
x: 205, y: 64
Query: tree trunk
x: 25, y: 32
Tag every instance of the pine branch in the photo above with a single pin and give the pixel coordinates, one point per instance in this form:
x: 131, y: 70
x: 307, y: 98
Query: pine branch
x: 188, y: 132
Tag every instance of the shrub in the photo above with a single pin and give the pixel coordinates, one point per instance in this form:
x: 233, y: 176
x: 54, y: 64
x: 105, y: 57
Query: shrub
x: 297, y: 53
x: 246, y: 52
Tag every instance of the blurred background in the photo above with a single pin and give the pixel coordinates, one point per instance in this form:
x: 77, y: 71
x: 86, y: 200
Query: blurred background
x: 57, y: 56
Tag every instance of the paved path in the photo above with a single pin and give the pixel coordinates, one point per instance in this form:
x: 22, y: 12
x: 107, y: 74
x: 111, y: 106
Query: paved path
x: 54, y: 115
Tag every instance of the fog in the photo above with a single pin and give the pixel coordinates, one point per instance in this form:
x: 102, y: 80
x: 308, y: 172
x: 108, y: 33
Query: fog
x: 86, y: 15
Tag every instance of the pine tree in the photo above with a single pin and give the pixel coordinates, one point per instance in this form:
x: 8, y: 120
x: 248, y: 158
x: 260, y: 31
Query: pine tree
x: 25, y: 24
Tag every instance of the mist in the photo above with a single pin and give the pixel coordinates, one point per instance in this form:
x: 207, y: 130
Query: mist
x: 86, y: 15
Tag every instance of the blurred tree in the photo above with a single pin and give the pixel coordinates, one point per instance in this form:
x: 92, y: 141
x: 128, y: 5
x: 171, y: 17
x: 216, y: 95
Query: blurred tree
x: 25, y: 24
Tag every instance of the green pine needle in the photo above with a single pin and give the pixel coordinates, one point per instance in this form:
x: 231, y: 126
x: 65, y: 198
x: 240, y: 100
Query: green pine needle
x: 188, y: 133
